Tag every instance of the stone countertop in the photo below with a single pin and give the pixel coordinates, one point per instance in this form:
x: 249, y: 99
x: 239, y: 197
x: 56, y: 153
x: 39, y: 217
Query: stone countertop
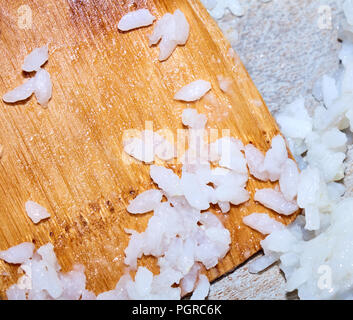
x: 286, y: 46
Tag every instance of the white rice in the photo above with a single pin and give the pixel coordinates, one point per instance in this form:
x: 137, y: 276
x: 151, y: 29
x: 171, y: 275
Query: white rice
x: 261, y: 263
x: 171, y: 30
x: 21, y: 92
x: 181, y: 236
x: 170, y: 234
x: 224, y: 83
x: 187, y: 284
x: 43, y: 87
x: 295, y: 124
x: 36, y: 212
x: 35, y: 59
x: 145, y: 202
x: 315, y: 252
x: 255, y: 160
x: 136, y: 19
x: 193, y: 91
x: 202, y: 288
x: 263, y: 223
x: 289, y: 179
x: 44, y: 281
x: 275, y: 158
x: 178, y: 234
x: 276, y: 201
x: 18, y: 254
x: 166, y: 180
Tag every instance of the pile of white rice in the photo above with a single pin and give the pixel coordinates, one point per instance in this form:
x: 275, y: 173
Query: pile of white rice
x: 181, y: 234
x: 316, y: 252
x: 182, y: 238
x: 42, y: 279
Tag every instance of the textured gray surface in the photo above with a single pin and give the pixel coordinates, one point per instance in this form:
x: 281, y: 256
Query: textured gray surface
x: 283, y: 47
x: 240, y: 285
x: 285, y: 52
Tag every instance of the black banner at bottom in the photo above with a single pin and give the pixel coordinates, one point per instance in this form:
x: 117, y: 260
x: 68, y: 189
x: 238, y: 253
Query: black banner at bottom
x: 185, y: 309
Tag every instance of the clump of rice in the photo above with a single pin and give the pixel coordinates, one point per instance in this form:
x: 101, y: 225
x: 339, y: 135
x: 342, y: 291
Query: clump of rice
x: 179, y: 234
x: 171, y: 30
x: 136, y: 19
x: 275, y: 158
x: 40, y: 84
x: 268, y: 166
x: 315, y: 252
x: 42, y: 279
x: 275, y: 165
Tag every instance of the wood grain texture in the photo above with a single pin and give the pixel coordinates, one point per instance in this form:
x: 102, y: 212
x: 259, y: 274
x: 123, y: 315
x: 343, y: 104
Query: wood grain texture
x: 69, y: 157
